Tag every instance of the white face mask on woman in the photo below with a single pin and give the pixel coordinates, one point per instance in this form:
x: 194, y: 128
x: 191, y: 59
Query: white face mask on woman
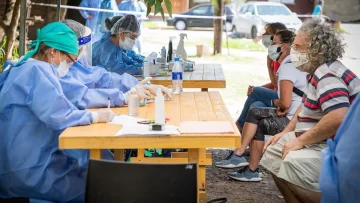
x: 274, y: 52
x: 266, y: 40
x: 127, y: 44
x: 62, y: 68
x: 298, y: 59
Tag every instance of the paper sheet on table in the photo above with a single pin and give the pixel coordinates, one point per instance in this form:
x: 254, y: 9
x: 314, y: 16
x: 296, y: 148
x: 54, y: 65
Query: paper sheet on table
x: 140, y: 129
x: 124, y: 119
x: 206, y: 127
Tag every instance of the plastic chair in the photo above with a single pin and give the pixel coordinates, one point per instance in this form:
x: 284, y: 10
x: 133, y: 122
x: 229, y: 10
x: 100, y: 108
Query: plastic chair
x: 110, y: 181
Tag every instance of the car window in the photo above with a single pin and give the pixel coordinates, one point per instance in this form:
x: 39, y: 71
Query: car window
x: 251, y: 9
x: 229, y: 11
x: 272, y: 10
x: 201, y: 10
x: 243, y: 9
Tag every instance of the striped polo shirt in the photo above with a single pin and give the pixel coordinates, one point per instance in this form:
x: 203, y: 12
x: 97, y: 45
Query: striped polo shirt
x: 332, y: 86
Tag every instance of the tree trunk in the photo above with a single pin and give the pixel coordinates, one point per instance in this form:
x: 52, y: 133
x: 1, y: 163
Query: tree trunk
x: 11, y: 34
x: 218, y: 26
x: 9, y: 7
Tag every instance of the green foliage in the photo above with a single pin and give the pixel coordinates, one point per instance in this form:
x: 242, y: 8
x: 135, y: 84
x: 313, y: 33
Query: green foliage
x: 157, y: 4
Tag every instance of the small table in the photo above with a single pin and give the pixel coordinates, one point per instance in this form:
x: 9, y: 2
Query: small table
x: 189, y: 106
x: 204, y: 76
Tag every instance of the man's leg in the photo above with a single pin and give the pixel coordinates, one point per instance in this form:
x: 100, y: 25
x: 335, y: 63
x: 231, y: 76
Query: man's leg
x: 304, y: 195
x: 289, y: 196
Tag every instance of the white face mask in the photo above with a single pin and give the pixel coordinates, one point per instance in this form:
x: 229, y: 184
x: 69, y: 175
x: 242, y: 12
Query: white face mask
x: 266, y: 40
x: 62, y: 68
x: 274, y: 52
x: 298, y: 59
x: 127, y: 44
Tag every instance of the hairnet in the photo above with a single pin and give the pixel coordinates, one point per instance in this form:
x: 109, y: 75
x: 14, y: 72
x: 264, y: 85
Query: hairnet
x: 128, y: 23
x: 55, y: 35
x: 110, y: 22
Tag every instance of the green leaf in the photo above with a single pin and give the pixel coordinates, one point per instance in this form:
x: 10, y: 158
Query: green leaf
x: 149, y: 5
x: 157, y: 7
x: 162, y: 14
x: 168, y: 7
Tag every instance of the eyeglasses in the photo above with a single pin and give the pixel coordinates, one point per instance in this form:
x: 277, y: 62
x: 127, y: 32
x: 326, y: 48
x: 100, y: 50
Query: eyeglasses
x: 71, y: 61
x: 130, y: 35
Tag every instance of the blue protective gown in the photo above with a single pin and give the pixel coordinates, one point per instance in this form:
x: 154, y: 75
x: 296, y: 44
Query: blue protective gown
x: 33, y: 113
x: 91, y: 23
x: 340, y: 175
x: 100, y: 29
x: 114, y: 59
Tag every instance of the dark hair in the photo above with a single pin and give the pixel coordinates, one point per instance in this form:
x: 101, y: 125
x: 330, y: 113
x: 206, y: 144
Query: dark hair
x: 275, y: 27
x: 110, y: 22
x: 286, y: 36
x: 320, y: 2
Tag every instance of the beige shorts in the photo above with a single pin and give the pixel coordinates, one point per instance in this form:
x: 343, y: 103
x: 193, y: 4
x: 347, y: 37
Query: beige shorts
x: 301, y: 167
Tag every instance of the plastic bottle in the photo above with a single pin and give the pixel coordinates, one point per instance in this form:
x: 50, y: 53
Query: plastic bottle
x: 159, y: 108
x: 133, y: 103
x: 170, y: 50
x: 181, y: 47
x: 163, y: 52
x: 146, y: 68
x: 177, y: 77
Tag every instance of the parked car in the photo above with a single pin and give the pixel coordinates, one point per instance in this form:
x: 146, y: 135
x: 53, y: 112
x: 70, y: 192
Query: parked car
x: 253, y: 16
x: 181, y: 23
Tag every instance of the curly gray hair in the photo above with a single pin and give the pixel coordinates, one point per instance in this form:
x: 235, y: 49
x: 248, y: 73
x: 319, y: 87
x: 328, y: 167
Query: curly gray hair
x: 325, y: 43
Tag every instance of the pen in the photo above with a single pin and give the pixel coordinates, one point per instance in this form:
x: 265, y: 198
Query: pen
x: 108, y: 102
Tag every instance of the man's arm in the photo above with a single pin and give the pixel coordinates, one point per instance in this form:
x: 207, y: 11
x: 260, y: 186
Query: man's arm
x: 325, y: 128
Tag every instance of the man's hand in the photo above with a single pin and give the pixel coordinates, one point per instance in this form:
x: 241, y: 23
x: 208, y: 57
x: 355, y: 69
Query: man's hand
x: 293, y: 145
x: 90, y: 17
x: 273, y: 140
x: 281, y: 112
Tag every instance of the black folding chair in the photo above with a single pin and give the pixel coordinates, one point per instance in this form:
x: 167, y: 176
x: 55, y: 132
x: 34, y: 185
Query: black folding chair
x: 110, y: 181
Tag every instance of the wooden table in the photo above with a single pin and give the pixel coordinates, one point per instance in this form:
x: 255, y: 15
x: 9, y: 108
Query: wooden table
x: 189, y: 106
x: 204, y: 76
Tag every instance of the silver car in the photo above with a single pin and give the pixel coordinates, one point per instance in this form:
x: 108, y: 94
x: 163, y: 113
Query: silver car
x: 253, y: 16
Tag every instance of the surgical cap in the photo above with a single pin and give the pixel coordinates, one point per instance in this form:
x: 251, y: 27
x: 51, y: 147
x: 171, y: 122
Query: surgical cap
x: 128, y: 23
x: 55, y: 35
x: 110, y: 22
x: 82, y: 32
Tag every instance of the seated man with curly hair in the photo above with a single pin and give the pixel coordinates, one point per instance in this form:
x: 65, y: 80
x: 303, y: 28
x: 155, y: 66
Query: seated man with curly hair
x: 294, y: 155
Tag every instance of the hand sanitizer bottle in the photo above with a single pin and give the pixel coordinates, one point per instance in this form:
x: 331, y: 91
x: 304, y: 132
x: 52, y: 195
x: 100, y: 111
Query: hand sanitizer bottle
x: 159, y: 108
x: 133, y: 103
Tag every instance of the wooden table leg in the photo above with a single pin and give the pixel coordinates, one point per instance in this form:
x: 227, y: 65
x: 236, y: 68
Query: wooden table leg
x: 199, y: 156
x: 95, y: 153
x: 119, y: 155
x: 204, y: 89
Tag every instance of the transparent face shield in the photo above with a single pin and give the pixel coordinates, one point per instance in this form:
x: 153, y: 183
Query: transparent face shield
x: 85, y: 47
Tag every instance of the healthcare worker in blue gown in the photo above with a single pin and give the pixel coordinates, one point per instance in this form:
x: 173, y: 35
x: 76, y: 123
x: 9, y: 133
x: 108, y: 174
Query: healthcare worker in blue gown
x: 91, y: 17
x: 101, y: 29
x: 135, y: 6
x: 33, y: 113
x: 113, y: 51
x: 96, y: 83
x: 340, y: 174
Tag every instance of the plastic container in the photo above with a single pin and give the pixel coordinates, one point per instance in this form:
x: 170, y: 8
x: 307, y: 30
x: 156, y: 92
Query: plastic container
x: 133, y: 103
x: 181, y: 48
x: 163, y: 52
x: 159, y: 108
x: 146, y: 69
x: 177, y: 77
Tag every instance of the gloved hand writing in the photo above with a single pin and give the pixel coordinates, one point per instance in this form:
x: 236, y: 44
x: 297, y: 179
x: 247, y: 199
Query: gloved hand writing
x: 103, y: 116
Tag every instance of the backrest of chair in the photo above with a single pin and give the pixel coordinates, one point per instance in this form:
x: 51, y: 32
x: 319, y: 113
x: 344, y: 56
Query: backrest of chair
x: 110, y: 181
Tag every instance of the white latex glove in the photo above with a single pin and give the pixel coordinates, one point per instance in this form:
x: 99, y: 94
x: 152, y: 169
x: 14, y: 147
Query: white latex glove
x: 153, y: 90
x: 103, y: 116
x: 142, y: 89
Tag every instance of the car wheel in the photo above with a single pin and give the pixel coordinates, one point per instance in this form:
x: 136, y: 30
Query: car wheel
x: 228, y: 26
x: 253, y: 32
x: 180, y: 25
